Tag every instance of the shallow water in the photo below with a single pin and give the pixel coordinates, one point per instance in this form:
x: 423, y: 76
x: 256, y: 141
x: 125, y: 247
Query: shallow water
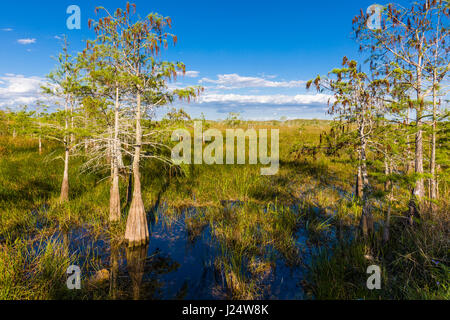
x: 193, y: 274
x: 178, y: 264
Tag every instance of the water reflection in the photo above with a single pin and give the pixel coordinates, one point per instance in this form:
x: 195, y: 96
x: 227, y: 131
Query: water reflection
x: 136, y: 257
x: 114, y: 261
x: 185, y: 260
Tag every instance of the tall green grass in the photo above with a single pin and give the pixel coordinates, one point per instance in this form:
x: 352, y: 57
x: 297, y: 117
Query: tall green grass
x: 252, y: 235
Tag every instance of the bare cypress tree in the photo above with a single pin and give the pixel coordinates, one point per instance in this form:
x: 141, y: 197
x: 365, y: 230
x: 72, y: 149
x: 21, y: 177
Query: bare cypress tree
x: 139, y: 43
x: 107, y: 48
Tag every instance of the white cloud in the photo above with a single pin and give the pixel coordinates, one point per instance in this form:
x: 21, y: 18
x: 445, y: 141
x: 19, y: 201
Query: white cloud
x: 7, y: 29
x: 235, y: 81
x: 253, y: 99
x: 26, y: 41
x: 16, y: 90
x: 277, y: 99
x: 189, y: 74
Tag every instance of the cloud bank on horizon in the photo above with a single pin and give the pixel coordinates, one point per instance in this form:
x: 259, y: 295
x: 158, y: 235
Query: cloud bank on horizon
x: 18, y: 90
x: 258, y: 98
x: 218, y: 99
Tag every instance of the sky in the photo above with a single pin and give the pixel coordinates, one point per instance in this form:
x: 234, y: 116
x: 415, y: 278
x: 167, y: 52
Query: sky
x: 252, y: 57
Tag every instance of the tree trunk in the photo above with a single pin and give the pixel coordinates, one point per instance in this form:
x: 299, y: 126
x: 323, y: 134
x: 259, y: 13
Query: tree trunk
x: 119, y: 156
x: 433, y: 184
x: 409, y: 165
x: 137, y: 229
x: 419, y: 190
x: 114, y: 201
x: 109, y: 151
x: 72, y: 137
x: 437, y: 182
x: 413, y: 212
x: 387, y: 224
x: 40, y: 145
x: 65, y: 182
x: 359, y: 184
x: 387, y: 171
x: 366, y: 223
x: 130, y: 187
x: 433, y: 164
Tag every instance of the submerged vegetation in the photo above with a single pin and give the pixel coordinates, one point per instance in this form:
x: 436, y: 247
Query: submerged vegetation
x: 93, y: 184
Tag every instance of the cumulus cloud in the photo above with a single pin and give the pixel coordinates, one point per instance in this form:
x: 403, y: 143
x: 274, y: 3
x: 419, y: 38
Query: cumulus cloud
x: 189, y: 74
x: 262, y: 107
x: 26, y: 41
x: 17, y: 90
x: 235, y: 81
x: 277, y: 99
x: 192, y: 74
x: 253, y: 99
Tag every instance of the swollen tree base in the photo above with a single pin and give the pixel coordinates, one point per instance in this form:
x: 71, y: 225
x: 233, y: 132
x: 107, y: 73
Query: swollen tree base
x: 366, y: 224
x: 413, y: 211
x: 136, y: 233
x: 64, y: 197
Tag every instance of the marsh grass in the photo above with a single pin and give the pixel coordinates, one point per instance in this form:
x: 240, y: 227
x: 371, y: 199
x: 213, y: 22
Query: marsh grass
x: 252, y: 217
x: 35, y: 271
x: 414, y: 265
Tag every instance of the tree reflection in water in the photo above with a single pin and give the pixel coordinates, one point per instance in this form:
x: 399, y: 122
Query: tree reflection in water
x: 114, y: 262
x: 136, y: 258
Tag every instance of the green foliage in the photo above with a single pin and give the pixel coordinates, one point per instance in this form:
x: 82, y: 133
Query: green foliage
x: 233, y: 119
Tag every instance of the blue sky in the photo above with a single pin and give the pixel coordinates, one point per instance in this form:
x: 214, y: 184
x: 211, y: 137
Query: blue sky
x: 252, y: 57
